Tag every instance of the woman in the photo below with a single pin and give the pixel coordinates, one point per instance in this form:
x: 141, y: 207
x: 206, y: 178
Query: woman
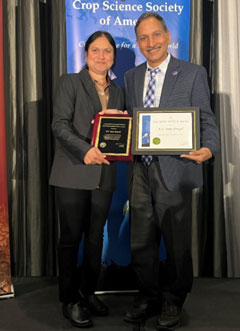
x: 84, y: 180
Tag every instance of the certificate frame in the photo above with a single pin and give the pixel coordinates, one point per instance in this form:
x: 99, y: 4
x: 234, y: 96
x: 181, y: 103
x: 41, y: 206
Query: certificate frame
x: 163, y: 124
x: 112, y: 134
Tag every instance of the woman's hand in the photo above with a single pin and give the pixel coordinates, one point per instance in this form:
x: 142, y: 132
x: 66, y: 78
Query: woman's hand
x: 95, y: 156
x: 112, y: 111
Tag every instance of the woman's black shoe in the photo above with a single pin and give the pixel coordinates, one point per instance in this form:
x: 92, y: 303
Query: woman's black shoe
x: 77, y: 315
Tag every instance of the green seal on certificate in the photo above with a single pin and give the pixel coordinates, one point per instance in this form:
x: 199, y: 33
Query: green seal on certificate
x: 156, y: 141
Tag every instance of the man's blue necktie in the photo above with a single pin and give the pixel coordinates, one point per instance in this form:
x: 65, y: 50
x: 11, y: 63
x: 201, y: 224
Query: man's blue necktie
x: 149, y: 102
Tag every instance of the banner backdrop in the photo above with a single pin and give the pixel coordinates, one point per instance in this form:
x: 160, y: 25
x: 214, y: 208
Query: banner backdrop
x: 119, y: 17
x: 5, y: 274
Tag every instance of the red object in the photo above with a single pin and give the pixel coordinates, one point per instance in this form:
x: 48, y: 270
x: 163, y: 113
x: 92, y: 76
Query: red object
x: 3, y: 167
x: 101, y: 136
x: 5, y: 270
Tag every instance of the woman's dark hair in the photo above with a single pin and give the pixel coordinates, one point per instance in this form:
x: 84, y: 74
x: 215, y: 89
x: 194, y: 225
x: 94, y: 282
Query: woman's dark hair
x: 98, y: 34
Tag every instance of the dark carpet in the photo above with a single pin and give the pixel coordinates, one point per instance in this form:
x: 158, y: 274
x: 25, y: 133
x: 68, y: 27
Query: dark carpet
x: 213, y: 305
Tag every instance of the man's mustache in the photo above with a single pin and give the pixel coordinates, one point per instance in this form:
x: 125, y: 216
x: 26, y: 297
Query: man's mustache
x: 153, y: 48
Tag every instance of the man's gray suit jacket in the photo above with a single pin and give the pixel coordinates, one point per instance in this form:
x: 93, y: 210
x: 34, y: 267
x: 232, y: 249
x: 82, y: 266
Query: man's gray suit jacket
x: 75, y: 105
x: 185, y: 85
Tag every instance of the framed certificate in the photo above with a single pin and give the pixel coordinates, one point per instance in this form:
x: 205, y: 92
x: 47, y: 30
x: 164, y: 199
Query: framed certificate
x: 112, y: 135
x: 165, y: 131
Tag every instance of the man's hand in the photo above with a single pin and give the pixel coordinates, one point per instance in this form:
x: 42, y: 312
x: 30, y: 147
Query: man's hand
x: 201, y: 155
x: 95, y: 156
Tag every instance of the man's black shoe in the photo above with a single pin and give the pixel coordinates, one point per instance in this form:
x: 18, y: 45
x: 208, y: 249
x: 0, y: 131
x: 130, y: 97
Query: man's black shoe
x: 77, y: 315
x: 96, y: 306
x: 169, y: 318
x: 141, y: 311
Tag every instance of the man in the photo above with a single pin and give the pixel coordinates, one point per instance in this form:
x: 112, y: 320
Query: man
x: 161, y: 187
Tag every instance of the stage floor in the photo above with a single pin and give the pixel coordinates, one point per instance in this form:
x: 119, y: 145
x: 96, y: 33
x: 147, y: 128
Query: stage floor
x: 213, y: 305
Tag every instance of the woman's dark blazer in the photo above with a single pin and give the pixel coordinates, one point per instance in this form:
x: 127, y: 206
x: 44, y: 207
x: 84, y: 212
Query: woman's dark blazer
x: 75, y: 105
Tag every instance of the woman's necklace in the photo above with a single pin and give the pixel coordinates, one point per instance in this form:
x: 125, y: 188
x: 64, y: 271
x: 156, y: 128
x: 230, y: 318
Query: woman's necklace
x: 101, y: 87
